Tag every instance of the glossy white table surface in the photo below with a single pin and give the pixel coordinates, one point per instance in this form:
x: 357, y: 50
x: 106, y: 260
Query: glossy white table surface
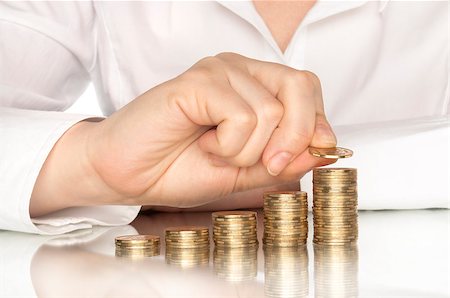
x: 399, y: 254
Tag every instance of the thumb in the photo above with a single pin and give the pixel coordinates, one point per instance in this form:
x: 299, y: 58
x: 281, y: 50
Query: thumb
x: 323, y: 136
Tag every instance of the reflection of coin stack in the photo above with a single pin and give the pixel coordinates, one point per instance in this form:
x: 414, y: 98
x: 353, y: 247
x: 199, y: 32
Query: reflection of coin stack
x: 285, y: 218
x: 286, y: 272
x: 236, y: 264
x: 336, y: 271
x: 234, y: 229
x: 136, y: 246
x: 335, y: 206
x: 187, y: 257
x: 187, y: 246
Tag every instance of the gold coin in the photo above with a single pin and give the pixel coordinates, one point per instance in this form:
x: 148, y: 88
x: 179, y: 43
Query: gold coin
x: 136, y: 239
x: 234, y: 214
x: 188, y: 230
x: 334, y: 171
x: 285, y: 194
x: 333, y: 153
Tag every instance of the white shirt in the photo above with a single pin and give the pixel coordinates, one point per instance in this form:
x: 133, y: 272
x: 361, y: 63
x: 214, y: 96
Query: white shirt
x: 384, y: 68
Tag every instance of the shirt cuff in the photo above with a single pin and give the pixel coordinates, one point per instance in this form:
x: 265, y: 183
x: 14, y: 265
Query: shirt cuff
x: 27, y: 139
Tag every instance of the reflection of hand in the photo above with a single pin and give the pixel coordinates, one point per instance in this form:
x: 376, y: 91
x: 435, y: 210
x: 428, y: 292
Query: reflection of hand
x: 220, y: 127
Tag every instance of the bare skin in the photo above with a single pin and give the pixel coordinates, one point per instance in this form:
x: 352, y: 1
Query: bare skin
x: 227, y: 128
x: 283, y: 18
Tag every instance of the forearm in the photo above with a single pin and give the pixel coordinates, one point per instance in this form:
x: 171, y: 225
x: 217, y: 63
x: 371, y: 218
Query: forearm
x: 67, y: 179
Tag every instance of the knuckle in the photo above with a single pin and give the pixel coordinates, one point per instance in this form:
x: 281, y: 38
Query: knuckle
x: 311, y: 76
x: 200, y: 72
x: 246, y: 119
x: 208, y: 60
x: 306, y: 79
x: 226, y: 55
x: 272, y: 110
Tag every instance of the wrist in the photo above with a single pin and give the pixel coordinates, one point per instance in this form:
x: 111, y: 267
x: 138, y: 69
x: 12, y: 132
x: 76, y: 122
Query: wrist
x: 67, y: 178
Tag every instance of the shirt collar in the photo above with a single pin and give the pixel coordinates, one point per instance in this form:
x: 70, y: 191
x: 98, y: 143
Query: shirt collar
x: 321, y: 10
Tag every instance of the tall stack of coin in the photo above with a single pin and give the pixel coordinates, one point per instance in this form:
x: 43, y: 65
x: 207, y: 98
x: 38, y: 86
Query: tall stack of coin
x: 335, y: 206
x: 187, y: 246
x: 285, y: 218
x: 286, y: 272
x: 136, y: 246
x: 236, y: 264
x: 234, y: 229
x: 336, y: 271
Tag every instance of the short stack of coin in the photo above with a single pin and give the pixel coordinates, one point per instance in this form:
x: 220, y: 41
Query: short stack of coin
x: 335, y: 203
x: 286, y: 272
x: 187, y: 237
x: 236, y: 264
x: 285, y: 218
x: 187, y: 246
x: 234, y: 229
x: 136, y: 246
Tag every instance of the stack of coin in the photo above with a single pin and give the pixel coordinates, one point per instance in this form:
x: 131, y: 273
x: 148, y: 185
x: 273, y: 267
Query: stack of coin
x: 335, y: 206
x: 286, y: 272
x: 187, y: 237
x: 236, y: 264
x: 336, y: 271
x: 234, y: 229
x: 136, y: 246
x: 285, y: 218
x: 187, y: 246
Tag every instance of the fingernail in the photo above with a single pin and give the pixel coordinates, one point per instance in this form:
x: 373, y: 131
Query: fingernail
x: 278, y: 162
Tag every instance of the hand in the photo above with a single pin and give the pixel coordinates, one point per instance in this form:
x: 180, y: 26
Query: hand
x: 228, y: 124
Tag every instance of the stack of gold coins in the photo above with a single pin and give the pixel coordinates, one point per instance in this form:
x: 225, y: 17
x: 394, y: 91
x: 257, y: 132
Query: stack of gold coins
x: 187, y: 237
x: 336, y: 271
x: 286, y: 272
x: 136, y: 246
x: 285, y: 218
x: 335, y: 206
x: 187, y: 246
x: 234, y: 229
x: 236, y: 264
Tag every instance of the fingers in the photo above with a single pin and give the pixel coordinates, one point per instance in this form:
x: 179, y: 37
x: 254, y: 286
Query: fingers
x: 296, y: 128
x: 263, y: 110
x: 269, y: 112
x: 257, y: 176
x: 233, y: 118
x: 303, y: 123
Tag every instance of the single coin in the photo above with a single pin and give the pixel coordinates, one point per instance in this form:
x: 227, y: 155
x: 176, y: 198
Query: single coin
x: 333, y: 153
x: 234, y: 214
x: 187, y: 230
x: 136, y: 239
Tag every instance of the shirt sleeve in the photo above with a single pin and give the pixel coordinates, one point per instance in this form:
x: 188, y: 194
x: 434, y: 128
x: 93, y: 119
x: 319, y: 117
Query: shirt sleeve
x: 46, y: 54
x: 401, y: 165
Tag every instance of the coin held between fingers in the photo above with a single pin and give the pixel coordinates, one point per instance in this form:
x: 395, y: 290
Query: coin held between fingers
x: 331, y: 153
